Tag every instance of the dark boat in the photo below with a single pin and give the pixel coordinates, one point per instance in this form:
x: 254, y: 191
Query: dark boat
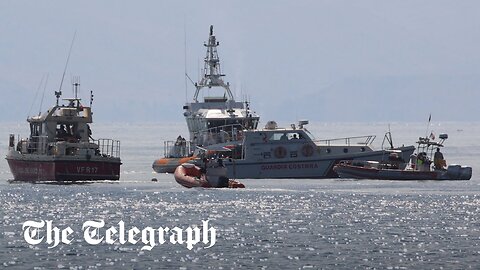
x: 419, y: 167
x: 60, y: 147
x: 362, y: 170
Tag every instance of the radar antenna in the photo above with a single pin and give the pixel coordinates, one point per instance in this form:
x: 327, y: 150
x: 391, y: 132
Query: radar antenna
x: 91, y: 98
x: 76, y: 86
x: 212, y: 75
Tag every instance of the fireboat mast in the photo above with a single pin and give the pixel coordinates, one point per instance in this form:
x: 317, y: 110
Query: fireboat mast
x: 212, y: 75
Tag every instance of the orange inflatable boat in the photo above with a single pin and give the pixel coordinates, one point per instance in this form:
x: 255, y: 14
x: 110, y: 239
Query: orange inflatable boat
x: 190, y: 175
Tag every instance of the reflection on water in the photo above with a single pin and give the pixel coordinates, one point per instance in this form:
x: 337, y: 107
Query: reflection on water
x: 271, y: 224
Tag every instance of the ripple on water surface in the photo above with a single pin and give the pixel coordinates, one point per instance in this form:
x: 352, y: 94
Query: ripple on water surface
x: 261, y: 226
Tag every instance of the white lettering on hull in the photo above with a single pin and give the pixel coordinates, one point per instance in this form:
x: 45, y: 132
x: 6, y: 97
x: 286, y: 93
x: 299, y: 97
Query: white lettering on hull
x: 294, y: 166
x: 30, y: 170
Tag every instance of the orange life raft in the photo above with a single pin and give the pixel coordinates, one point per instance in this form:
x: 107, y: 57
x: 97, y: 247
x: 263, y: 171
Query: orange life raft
x: 190, y: 175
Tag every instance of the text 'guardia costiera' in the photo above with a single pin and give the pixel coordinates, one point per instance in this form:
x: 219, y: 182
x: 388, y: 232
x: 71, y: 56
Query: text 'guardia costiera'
x: 95, y: 233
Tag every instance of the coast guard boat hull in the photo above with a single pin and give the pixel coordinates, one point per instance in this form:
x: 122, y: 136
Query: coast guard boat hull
x: 275, y: 152
x: 307, y: 168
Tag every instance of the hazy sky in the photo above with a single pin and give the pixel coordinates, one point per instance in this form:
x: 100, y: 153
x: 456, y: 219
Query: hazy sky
x: 319, y: 60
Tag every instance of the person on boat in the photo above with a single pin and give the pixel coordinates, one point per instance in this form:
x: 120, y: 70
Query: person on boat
x: 421, y: 162
x: 438, y: 160
x: 284, y: 137
x: 179, y: 140
x: 295, y: 137
x: 239, y: 135
x: 69, y: 131
x: 203, y: 169
x: 183, y: 147
x: 61, y: 133
x: 425, y: 162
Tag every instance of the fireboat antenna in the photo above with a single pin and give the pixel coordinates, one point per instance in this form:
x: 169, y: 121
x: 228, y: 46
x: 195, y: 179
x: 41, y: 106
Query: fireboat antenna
x: 36, y: 94
x: 43, y: 95
x: 59, y: 93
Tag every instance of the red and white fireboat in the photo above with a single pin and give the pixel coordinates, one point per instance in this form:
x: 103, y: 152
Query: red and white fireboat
x: 60, y: 147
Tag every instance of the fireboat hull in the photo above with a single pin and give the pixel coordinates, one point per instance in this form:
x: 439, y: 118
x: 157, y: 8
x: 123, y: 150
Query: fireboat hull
x: 63, y: 170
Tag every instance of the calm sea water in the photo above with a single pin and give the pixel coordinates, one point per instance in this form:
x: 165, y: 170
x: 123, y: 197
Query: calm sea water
x: 272, y: 224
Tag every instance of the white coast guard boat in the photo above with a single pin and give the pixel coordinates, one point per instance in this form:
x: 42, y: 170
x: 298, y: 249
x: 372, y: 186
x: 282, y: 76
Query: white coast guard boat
x: 293, y: 152
x: 213, y: 120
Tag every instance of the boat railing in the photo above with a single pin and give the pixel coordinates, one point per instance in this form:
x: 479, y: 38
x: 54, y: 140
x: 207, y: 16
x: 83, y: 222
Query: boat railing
x: 39, y: 145
x: 108, y: 147
x: 177, y: 149
x: 358, y: 140
x: 219, y: 134
x: 34, y: 145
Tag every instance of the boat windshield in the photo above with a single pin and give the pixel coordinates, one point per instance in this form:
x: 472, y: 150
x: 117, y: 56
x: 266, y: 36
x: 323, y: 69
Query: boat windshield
x: 309, y: 134
x: 219, y: 134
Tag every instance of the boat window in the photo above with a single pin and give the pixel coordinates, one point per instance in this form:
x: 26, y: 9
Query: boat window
x: 295, y: 136
x: 345, y: 150
x: 286, y: 136
x: 328, y: 150
x: 277, y: 136
x: 228, y: 123
x: 34, y: 129
x: 362, y: 149
x: 255, y: 123
x: 250, y: 123
x: 67, y: 132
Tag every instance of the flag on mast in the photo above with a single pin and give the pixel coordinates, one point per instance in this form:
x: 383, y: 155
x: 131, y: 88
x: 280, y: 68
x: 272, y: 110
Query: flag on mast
x: 430, y: 118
